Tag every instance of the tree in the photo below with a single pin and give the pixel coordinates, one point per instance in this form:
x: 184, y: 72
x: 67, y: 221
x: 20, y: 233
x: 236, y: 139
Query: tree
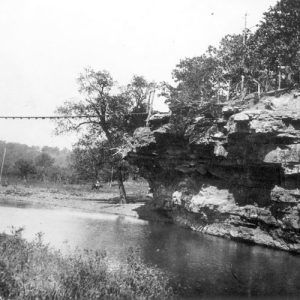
x: 197, y: 87
x: 92, y: 159
x: 25, y: 167
x: 242, y: 63
x: 139, y: 91
x: 89, y: 156
x: 44, y: 160
x: 231, y: 56
x: 43, y: 163
x: 107, y: 109
x: 278, y: 36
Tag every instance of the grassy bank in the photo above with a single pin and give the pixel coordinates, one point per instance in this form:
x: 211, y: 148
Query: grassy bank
x: 31, y: 270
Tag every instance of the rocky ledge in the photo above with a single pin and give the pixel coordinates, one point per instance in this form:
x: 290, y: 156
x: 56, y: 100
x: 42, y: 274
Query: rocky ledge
x: 236, y: 176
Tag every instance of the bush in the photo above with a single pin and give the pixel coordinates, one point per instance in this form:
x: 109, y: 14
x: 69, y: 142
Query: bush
x: 31, y: 270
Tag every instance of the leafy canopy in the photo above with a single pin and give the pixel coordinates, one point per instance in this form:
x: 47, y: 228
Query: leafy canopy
x: 241, y: 64
x: 112, y: 114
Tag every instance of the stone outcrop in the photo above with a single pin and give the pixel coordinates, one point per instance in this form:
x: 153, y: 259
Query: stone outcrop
x: 237, y: 176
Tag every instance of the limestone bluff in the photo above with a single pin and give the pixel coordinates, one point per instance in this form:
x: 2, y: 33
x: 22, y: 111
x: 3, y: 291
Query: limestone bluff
x: 236, y: 176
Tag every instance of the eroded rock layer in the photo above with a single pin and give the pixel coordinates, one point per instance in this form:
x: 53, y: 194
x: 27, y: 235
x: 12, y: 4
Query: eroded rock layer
x: 237, y: 176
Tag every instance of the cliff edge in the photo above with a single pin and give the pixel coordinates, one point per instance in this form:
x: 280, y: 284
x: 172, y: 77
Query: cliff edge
x: 236, y: 176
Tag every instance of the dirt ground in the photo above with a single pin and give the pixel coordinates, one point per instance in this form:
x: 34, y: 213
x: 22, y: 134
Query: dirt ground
x: 82, y: 197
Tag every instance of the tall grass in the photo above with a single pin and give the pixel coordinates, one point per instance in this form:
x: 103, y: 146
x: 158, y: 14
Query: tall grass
x: 32, y: 270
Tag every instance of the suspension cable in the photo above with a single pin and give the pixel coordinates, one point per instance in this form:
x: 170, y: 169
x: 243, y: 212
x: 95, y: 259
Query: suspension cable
x: 58, y: 117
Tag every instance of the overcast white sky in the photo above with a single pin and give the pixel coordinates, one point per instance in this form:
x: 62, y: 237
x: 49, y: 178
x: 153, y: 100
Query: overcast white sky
x: 45, y: 44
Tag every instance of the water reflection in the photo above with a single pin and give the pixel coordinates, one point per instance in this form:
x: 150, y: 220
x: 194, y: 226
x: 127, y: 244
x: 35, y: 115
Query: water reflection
x: 209, y: 265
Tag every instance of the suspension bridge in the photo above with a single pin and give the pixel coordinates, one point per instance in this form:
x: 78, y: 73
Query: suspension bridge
x: 57, y: 117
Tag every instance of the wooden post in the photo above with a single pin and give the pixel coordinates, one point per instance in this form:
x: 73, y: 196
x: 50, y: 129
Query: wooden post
x: 279, y: 80
x: 258, y: 90
x: 229, y: 83
x: 245, y: 29
x: 218, y: 93
x: 111, y: 176
x: 242, y: 84
x: 2, y: 165
x: 151, y: 99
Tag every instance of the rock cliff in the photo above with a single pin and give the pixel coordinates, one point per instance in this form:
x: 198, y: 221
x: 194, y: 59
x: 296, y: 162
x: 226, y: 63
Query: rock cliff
x: 236, y: 176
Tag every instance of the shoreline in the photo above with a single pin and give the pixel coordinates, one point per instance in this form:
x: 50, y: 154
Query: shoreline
x: 104, y: 201
x: 77, y: 197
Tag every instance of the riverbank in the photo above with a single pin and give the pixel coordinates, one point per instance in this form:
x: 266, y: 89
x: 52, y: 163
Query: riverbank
x: 32, y: 270
x: 194, y: 261
x: 79, y: 197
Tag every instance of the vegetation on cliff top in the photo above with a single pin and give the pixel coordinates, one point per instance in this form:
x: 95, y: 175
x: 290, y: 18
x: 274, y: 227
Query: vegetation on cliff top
x: 251, y: 62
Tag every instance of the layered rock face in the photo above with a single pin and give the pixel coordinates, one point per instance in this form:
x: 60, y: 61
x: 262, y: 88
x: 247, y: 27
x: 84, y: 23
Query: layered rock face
x: 237, y: 176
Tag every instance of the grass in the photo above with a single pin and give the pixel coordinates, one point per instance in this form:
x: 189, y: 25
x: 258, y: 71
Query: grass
x: 32, y: 270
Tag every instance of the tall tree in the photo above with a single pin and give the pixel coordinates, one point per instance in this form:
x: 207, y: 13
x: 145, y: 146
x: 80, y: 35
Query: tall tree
x: 277, y: 39
x: 139, y: 89
x: 90, y: 155
x: 43, y: 163
x: 92, y: 159
x: 25, y: 167
x: 197, y: 86
x: 44, y: 160
x: 107, y: 108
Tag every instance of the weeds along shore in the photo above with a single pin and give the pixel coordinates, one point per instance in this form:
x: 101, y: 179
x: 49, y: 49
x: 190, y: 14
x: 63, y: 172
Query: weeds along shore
x: 33, y: 270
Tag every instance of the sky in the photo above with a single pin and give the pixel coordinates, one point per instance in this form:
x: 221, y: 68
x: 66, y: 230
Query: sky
x: 45, y: 44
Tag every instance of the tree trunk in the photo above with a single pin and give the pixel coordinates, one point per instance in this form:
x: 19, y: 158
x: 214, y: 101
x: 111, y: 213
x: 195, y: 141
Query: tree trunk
x: 123, y: 197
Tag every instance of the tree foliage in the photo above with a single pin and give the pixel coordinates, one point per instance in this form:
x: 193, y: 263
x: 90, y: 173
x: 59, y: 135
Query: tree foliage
x: 241, y: 64
x: 278, y: 36
x: 108, y: 123
x: 106, y: 110
x: 44, y: 160
x: 53, y: 162
x: 25, y: 167
x: 92, y: 159
x: 139, y: 89
x: 90, y: 156
x: 43, y: 163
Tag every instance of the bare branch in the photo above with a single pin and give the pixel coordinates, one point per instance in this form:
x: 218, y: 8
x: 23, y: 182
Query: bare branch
x: 87, y: 122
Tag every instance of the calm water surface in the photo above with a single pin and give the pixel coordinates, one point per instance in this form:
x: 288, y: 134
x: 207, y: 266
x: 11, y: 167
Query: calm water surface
x: 205, y: 265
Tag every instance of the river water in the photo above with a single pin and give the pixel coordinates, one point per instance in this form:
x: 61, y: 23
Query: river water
x: 206, y: 265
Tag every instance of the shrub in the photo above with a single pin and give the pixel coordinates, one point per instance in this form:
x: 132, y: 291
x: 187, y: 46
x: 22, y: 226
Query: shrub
x: 32, y: 270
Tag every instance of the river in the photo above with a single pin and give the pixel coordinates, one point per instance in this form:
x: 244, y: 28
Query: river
x: 206, y: 265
